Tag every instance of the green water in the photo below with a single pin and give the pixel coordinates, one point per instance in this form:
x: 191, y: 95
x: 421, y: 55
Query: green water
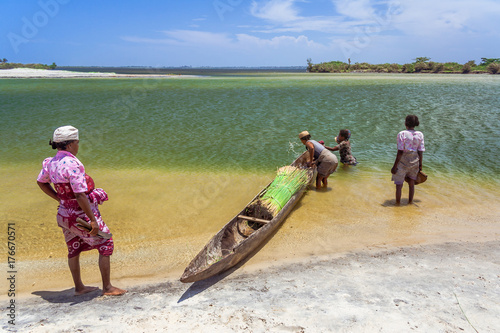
x: 251, y: 123
x: 180, y: 157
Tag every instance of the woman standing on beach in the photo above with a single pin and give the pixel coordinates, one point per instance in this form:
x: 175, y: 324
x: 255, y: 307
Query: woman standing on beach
x: 409, y: 158
x: 325, y: 161
x: 74, y: 190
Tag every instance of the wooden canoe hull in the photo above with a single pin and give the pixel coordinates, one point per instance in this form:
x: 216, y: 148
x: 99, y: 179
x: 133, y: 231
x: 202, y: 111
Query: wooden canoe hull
x: 228, y: 247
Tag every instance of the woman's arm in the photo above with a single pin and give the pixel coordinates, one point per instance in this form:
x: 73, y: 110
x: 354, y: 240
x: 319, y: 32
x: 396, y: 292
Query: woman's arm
x: 420, y: 156
x: 398, y: 158
x: 47, y: 189
x: 332, y: 149
x: 310, y: 148
x: 84, y: 203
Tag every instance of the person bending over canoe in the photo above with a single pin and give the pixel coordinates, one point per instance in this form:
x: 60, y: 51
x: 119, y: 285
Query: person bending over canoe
x: 325, y: 161
x: 74, y: 190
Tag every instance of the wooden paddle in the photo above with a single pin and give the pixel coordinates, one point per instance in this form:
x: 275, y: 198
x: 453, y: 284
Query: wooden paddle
x: 84, y: 224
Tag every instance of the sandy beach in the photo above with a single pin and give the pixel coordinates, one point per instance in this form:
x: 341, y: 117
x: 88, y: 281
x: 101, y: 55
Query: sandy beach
x: 448, y: 287
x: 30, y: 73
x: 429, y: 267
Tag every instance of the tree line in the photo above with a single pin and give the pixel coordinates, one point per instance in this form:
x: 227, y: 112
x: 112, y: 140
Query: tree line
x: 420, y: 65
x: 5, y: 64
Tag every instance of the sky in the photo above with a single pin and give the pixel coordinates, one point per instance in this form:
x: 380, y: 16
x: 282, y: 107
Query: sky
x: 227, y: 33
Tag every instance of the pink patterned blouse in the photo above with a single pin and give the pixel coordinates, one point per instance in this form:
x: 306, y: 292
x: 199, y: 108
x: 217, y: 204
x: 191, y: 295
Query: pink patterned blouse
x: 411, y: 140
x: 64, y: 168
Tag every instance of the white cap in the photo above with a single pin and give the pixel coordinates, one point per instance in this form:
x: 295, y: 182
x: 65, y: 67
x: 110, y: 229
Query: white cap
x: 65, y: 133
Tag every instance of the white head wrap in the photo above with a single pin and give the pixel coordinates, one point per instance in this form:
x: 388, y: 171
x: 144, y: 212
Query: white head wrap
x: 65, y: 133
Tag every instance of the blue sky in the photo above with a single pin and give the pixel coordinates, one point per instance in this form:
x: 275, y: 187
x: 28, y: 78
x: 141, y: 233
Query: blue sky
x: 246, y: 32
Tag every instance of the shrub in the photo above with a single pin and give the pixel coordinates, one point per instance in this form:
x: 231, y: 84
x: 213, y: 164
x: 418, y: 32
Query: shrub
x: 356, y: 67
x: 364, y: 65
x: 452, y: 67
x: 420, y: 66
x: 408, y: 68
x: 471, y: 63
x: 438, y: 67
x: 493, y: 68
x: 393, y: 68
x: 466, y: 68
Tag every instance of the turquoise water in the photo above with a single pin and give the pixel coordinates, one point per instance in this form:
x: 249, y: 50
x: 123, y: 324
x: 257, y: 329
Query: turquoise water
x: 250, y: 123
x: 139, y: 136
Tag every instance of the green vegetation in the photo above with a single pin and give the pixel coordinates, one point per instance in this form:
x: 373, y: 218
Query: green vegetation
x: 420, y: 65
x: 4, y: 64
x: 288, y: 181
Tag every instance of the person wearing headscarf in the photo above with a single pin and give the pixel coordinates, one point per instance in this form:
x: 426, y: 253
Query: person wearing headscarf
x: 325, y: 161
x: 78, y: 198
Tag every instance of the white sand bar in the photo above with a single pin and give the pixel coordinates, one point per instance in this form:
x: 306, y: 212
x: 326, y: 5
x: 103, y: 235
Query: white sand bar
x: 29, y: 73
x: 46, y: 73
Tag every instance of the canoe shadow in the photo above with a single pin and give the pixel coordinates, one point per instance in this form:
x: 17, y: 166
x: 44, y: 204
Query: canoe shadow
x: 67, y: 296
x: 202, y: 285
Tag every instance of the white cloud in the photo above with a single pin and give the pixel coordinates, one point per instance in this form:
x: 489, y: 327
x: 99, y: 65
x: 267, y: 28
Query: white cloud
x: 275, y: 10
x: 432, y: 18
x: 370, y: 30
x: 185, y: 38
x: 276, y: 42
x: 285, y: 17
x: 194, y: 38
x: 358, y: 9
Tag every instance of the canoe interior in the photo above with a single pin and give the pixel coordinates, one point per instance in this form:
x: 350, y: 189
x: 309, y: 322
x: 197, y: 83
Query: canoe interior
x: 239, y: 237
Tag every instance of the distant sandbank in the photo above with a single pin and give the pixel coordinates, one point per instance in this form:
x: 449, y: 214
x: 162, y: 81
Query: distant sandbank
x: 30, y: 73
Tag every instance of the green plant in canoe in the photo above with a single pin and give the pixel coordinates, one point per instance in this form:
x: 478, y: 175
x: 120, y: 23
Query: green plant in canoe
x: 288, y: 181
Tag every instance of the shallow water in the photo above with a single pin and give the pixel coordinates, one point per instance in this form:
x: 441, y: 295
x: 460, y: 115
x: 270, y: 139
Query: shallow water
x: 180, y: 157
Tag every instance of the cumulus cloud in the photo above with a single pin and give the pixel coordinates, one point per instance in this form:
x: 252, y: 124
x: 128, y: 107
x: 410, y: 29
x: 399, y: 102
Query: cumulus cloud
x: 195, y: 38
x: 357, y: 9
x: 361, y: 29
x: 428, y: 17
x: 275, y: 10
x: 276, y: 42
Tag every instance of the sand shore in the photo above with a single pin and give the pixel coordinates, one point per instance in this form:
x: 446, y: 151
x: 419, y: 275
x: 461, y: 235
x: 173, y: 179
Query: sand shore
x: 28, y: 73
x: 448, y: 287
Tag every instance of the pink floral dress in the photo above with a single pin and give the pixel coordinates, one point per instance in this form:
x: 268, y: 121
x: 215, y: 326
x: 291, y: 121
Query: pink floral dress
x: 67, y: 174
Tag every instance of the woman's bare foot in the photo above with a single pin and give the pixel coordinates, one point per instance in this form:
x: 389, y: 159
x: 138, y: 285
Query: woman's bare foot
x: 85, y: 290
x: 113, y: 291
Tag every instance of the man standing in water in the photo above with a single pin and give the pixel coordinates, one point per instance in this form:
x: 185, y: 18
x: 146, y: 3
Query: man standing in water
x: 74, y: 190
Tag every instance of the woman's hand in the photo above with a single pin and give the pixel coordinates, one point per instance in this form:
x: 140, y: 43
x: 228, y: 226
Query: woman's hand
x: 95, y: 228
x: 394, y: 170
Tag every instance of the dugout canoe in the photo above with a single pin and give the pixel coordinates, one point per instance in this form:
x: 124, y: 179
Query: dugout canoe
x: 229, y: 246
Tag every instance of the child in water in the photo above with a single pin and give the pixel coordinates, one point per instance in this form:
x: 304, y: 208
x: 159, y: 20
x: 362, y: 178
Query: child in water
x: 344, y: 148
